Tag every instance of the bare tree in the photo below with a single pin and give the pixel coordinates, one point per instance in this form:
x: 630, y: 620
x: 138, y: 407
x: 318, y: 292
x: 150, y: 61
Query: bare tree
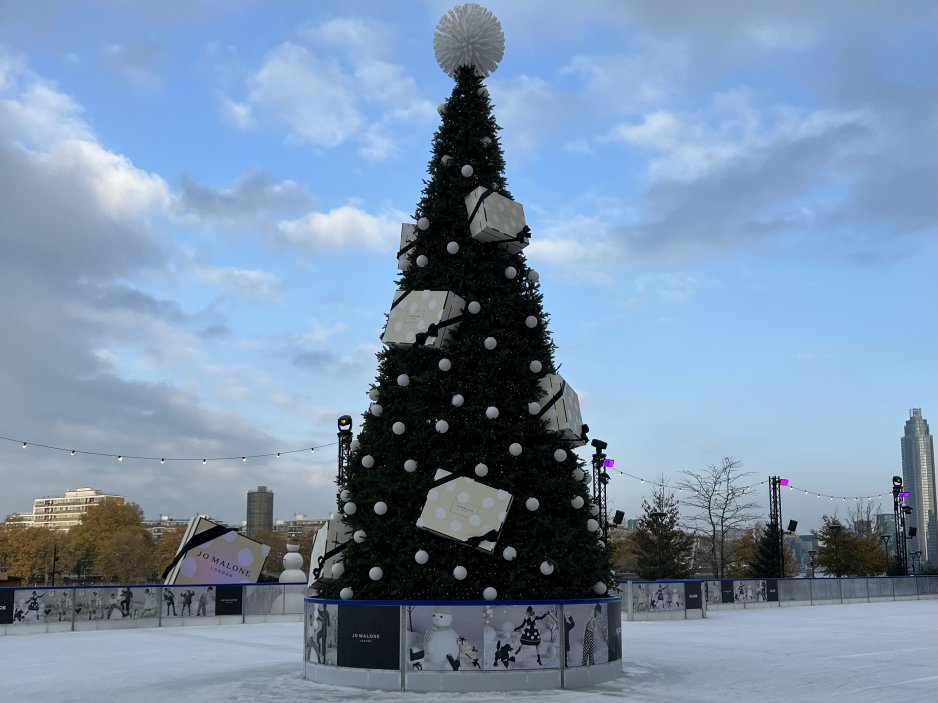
x: 861, y: 518
x: 723, y: 509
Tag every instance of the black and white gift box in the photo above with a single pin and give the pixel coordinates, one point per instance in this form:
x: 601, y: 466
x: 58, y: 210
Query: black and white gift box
x: 560, y: 407
x: 465, y: 510
x: 423, y: 317
x: 408, y: 239
x: 495, y: 218
x: 327, y: 548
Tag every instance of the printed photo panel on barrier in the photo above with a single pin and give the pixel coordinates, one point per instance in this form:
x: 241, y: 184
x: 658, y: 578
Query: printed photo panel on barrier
x: 587, y: 634
x: 749, y: 591
x: 521, y: 637
x: 322, y: 633
x: 657, y: 596
x: 614, y: 610
x: 443, y: 638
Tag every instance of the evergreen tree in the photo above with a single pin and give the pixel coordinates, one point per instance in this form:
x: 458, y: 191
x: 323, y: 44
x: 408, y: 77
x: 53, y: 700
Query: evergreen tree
x: 765, y: 562
x: 661, y: 548
x: 505, y: 378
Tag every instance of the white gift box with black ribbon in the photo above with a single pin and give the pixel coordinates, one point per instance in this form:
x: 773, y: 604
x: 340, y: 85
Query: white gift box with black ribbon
x: 408, y: 239
x: 465, y: 510
x: 327, y: 549
x: 423, y: 317
x: 495, y: 218
x: 560, y: 407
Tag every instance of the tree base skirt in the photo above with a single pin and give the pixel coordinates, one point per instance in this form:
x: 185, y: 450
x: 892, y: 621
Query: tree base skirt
x: 412, y: 645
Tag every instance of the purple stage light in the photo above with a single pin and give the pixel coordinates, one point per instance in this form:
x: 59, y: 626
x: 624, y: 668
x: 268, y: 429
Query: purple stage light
x: 609, y: 463
x: 783, y: 482
x: 904, y: 494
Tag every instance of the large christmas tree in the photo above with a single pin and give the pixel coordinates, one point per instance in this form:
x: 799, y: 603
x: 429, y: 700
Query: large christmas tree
x: 467, y: 414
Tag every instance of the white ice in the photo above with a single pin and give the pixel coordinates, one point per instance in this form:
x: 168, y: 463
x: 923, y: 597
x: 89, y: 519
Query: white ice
x: 850, y: 653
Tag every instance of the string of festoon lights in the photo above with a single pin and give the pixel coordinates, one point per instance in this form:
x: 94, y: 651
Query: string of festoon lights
x: 751, y: 488
x: 163, y: 459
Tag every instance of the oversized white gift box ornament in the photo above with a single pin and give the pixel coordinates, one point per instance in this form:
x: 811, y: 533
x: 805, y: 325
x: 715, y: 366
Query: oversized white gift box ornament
x: 495, y: 218
x: 327, y: 548
x: 465, y: 510
x: 560, y: 407
x: 423, y: 317
x: 408, y: 240
x: 211, y: 553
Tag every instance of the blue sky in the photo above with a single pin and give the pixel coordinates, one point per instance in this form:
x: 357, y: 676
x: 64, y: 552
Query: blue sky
x: 732, y: 204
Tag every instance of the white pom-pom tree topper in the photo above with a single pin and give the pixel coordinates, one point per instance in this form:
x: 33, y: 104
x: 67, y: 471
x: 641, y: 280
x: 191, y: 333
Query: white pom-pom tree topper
x: 469, y: 35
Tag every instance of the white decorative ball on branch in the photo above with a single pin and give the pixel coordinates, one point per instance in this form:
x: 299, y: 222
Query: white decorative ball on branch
x: 509, y: 553
x: 359, y: 536
x: 515, y: 449
x: 594, y: 510
x: 344, y: 495
x: 355, y: 446
x: 445, y: 159
x: 403, y: 380
x: 599, y: 588
x: 441, y: 108
x: 338, y: 569
x: 423, y: 223
x: 467, y: 170
x: 346, y: 593
x: 592, y: 525
x: 349, y: 508
x: 474, y: 307
x: 469, y: 35
x: 444, y: 364
x: 483, y: 92
x: 534, y: 408
x: 532, y: 504
x: 534, y: 276
x: 486, y: 140
x: 381, y: 507
x: 459, y: 573
x: 410, y: 466
x: 421, y: 557
x: 560, y: 454
x: 368, y: 461
x: 442, y: 426
x: 490, y: 343
x: 458, y: 400
x: 422, y: 261
x: 481, y: 470
x: 535, y: 366
x: 490, y: 593
x: 452, y: 247
x: 511, y: 272
x: 375, y: 573
x: 376, y: 410
x: 578, y: 474
x: 577, y: 502
x: 398, y: 428
x: 530, y: 321
x: 546, y: 568
x: 373, y: 394
x: 491, y: 412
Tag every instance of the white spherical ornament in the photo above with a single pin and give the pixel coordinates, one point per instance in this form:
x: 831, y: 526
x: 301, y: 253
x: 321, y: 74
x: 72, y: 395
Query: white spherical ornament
x: 376, y: 410
x: 474, y: 307
x: 349, y: 508
x: 359, y: 536
x: 468, y: 35
x: 599, y: 588
x: 481, y: 470
x: 458, y: 400
x: 444, y: 364
x: 423, y: 224
x: 592, y: 525
x: 355, y: 446
x: 535, y: 366
x: 467, y: 170
x: 421, y: 557
x: 410, y: 466
x: 445, y: 159
x: 486, y: 140
x: 594, y: 510
x: 482, y: 92
x: 338, y: 568
x: 546, y: 568
x: 381, y: 507
x: 452, y: 247
x: 403, y: 380
x: 601, y: 543
x: 422, y: 260
x: 532, y: 504
x: 509, y: 553
x: 490, y: 593
x: 459, y: 573
x: 344, y: 494
x: 346, y: 593
x: 490, y: 343
x: 441, y: 108
x: 398, y: 428
x: 373, y: 394
x: 368, y: 461
x: 578, y: 474
x: 534, y: 408
x: 530, y: 321
x: 442, y: 426
x: 560, y: 454
x: 375, y: 573
x: 515, y: 449
x: 534, y: 276
x: 511, y: 272
x: 577, y: 502
x: 491, y: 412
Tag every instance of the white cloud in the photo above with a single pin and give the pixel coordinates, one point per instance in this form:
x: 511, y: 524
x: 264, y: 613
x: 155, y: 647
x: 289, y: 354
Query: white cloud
x: 237, y: 113
x: 343, y: 227
x: 248, y: 282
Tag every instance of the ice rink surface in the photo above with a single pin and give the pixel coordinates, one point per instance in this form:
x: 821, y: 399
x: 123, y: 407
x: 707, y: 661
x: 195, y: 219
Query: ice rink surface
x: 832, y: 653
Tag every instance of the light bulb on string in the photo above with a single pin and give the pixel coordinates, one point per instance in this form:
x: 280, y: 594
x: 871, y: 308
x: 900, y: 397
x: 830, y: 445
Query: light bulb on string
x: 120, y: 458
x: 72, y: 453
x: 24, y: 445
x: 203, y: 462
x: 162, y: 461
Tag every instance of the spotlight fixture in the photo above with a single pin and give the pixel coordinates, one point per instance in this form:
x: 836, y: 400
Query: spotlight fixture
x: 345, y: 425
x: 599, y: 444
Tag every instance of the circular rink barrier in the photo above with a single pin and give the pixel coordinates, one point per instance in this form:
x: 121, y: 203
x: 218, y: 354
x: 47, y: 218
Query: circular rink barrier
x: 463, y: 646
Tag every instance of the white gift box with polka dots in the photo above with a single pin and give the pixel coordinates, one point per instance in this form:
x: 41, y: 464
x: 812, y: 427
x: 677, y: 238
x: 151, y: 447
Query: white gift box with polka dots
x: 497, y: 219
x: 464, y: 510
x: 414, y: 311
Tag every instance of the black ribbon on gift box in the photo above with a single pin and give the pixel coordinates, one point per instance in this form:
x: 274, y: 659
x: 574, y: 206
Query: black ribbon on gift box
x: 317, y: 572
x: 399, y: 300
x: 421, y: 337
x: 490, y: 536
x: 553, y: 401
x: 197, y: 541
x: 406, y: 249
x: 475, y: 211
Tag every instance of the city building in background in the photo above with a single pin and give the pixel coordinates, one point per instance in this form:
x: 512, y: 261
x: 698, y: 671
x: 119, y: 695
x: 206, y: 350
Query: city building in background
x: 164, y: 524
x: 260, y: 515
x: 66, y: 512
x: 918, y: 478
x: 297, y: 527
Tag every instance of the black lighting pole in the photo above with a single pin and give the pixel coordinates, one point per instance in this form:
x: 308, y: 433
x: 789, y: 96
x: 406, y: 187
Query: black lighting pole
x: 835, y: 528
x: 899, y: 511
x: 811, y: 554
x: 775, y: 518
x: 658, y: 518
x: 600, y: 480
x: 885, y: 540
x: 345, y: 444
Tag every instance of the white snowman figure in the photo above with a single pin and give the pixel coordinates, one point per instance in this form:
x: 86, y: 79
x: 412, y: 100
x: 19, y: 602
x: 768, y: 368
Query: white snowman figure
x: 441, y: 641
